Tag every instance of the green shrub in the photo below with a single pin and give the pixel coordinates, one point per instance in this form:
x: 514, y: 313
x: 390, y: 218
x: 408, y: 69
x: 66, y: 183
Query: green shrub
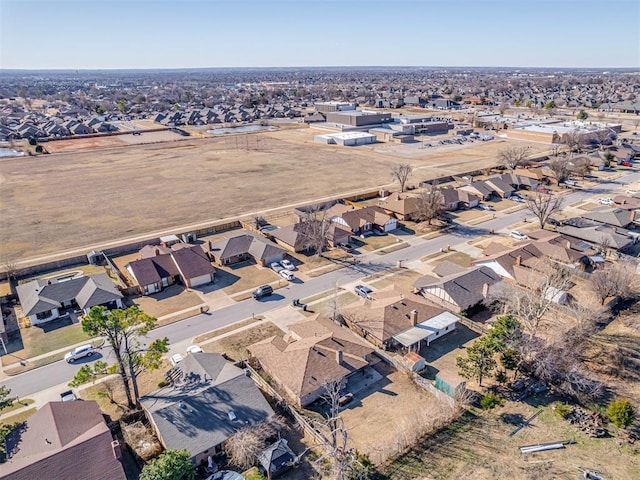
x: 501, y: 376
x: 563, y: 410
x: 490, y: 400
x: 621, y: 413
x: 253, y: 474
x: 162, y: 383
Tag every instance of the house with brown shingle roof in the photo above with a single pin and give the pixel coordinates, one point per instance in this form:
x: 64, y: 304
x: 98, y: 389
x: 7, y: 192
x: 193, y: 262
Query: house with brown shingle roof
x: 455, y: 199
x: 162, y: 266
x: 388, y: 312
x: 505, y: 264
x: 316, y: 352
x: 360, y: 220
x: 458, y: 291
x: 63, y: 440
x: 293, y: 239
x: 400, y: 205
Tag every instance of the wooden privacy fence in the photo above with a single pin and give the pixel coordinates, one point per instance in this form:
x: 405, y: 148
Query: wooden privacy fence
x: 301, y: 419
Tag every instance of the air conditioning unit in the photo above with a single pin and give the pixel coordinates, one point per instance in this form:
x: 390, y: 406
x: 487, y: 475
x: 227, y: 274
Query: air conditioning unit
x: 189, y: 237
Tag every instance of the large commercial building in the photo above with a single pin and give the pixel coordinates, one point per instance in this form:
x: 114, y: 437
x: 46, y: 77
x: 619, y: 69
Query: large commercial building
x: 333, y: 106
x: 556, y: 132
x: 359, y: 118
x: 346, y: 139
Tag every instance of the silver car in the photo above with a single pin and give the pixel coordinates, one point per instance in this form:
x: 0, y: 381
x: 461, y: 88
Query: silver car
x: 79, y: 352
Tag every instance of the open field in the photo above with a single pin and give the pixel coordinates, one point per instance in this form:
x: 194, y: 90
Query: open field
x: 69, y: 201
x: 479, y: 446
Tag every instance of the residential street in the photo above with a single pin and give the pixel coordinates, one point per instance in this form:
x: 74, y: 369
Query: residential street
x: 60, y: 372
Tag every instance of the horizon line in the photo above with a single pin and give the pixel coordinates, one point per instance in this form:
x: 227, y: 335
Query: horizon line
x: 114, y: 69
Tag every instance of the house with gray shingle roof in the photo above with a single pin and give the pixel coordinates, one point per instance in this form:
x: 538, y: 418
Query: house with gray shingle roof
x: 616, y: 217
x: 209, y: 400
x: 42, y: 300
x: 245, y: 246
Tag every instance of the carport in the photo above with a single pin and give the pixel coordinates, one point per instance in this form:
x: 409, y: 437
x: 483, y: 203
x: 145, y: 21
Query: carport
x: 426, y: 332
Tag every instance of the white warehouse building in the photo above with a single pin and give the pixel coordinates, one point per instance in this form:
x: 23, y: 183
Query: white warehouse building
x: 346, y: 139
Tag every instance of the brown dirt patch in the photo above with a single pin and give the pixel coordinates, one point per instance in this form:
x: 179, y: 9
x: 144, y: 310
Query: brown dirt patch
x: 235, y: 346
x: 170, y: 300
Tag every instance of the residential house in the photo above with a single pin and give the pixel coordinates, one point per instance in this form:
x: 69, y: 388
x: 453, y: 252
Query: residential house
x: 360, y: 220
x: 389, y: 311
x: 292, y: 237
x: 616, y: 217
x: 600, y: 235
x: 562, y: 248
x: 478, y: 188
x: 460, y: 290
x: 315, y: 352
x: 401, y: 205
x: 245, y: 246
x: 518, y: 182
x: 43, y: 300
x: 207, y: 402
x: 510, y: 263
x: 626, y: 202
x: 455, y: 198
x: 161, y: 266
x: 63, y: 440
x: 152, y: 274
x: 536, y: 174
x: 499, y: 187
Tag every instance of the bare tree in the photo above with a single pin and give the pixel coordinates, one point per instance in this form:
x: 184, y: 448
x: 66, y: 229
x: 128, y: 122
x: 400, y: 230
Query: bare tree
x: 243, y: 446
x: 574, y: 140
x: 430, y: 205
x: 314, y: 228
x: 401, y: 172
x: 548, y: 280
x: 513, y: 157
x: 543, y: 205
x: 581, y: 166
x: 616, y: 280
x: 561, y: 168
x: 338, y: 433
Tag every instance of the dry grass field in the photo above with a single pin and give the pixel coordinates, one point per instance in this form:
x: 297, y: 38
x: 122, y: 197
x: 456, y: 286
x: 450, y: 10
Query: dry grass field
x: 77, y: 200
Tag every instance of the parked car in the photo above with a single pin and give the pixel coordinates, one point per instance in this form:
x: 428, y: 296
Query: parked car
x: 571, y: 183
x: 175, y: 359
x: 363, y: 291
x: 194, y: 349
x: 68, y: 396
x: 79, y: 352
x: 262, y: 291
x: 631, y: 192
x: 516, y: 198
x: 627, y: 164
x: 543, y: 190
x: 484, y: 206
x: 605, y: 201
x: 287, y: 275
x: 347, y: 247
x: 288, y: 265
x: 517, y: 235
x: 276, y: 267
x: 268, y: 228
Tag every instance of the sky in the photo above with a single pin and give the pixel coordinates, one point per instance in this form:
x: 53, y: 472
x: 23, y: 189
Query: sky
x: 129, y: 34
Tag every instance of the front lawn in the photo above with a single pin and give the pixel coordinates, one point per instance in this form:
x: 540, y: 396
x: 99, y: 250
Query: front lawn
x: 39, y: 340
